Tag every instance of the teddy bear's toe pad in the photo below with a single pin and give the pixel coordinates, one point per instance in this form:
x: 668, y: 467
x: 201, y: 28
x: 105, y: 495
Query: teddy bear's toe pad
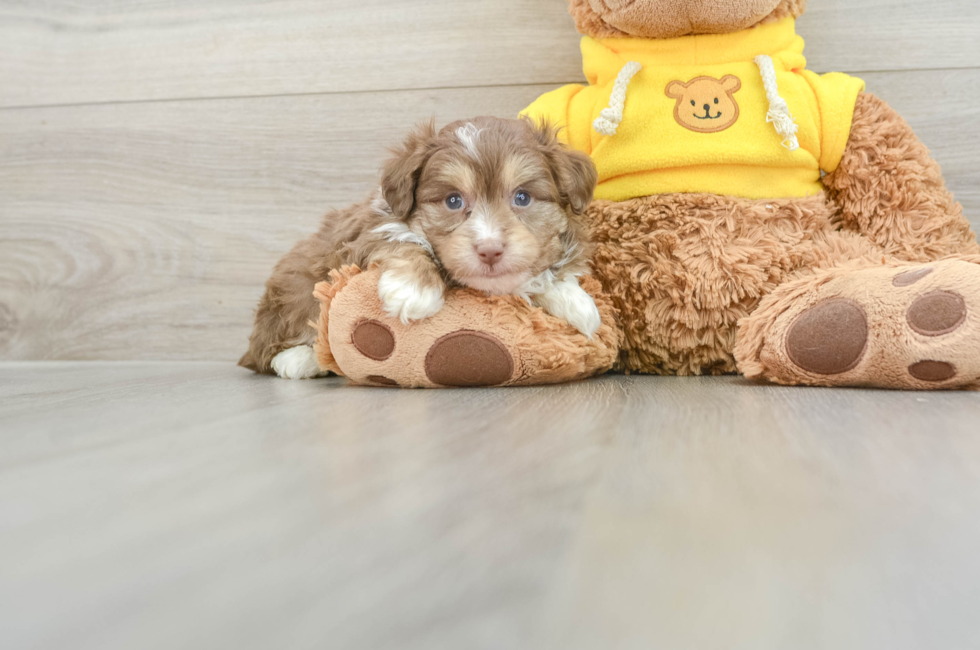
x: 381, y: 380
x: 932, y: 371
x: 373, y: 339
x: 908, y: 278
x: 937, y: 313
x: 891, y: 326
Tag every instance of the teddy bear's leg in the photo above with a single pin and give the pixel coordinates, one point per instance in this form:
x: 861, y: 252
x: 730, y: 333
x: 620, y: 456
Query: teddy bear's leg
x: 891, y: 190
x: 891, y: 325
x: 683, y: 269
x: 474, y: 340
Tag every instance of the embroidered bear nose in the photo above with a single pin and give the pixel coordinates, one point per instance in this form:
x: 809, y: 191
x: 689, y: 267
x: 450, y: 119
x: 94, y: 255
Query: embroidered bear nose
x: 707, y: 108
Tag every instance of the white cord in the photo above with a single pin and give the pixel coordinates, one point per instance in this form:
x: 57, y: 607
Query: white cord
x: 609, y: 119
x: 779, y: 113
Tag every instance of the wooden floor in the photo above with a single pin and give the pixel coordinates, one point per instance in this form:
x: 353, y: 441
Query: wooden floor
x: 194, y: 505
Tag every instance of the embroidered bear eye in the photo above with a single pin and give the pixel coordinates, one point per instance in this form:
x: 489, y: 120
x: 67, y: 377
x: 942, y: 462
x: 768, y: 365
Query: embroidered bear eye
x: 716, y: 100
x: 693, y: 103
x: 454, y: 202
x: 522, y: 199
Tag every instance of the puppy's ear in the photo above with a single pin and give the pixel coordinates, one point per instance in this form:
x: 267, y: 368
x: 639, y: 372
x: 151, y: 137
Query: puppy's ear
x: 400, y: 174
x: 577, y: 178
x: 573, y: 170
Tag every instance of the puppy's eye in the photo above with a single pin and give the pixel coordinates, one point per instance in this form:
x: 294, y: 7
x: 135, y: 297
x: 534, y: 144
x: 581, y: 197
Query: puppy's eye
x: 454, y: 202
x: 522, y: 199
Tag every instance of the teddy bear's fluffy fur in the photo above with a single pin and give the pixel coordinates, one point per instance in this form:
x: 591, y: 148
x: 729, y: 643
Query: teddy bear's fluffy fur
x: 591, y: 23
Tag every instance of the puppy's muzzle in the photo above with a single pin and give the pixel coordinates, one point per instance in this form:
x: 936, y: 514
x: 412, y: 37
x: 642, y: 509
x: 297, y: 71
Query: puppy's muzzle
x: 490, y: 253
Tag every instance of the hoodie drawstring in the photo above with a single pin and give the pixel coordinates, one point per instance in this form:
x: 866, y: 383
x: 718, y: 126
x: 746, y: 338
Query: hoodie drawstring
x: 609, y: 119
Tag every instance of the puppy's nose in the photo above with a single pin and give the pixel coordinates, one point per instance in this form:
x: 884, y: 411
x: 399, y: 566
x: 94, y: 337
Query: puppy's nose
x: 490, y: 254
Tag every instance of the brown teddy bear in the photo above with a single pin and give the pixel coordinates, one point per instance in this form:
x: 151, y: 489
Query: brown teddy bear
x: 751, y: 216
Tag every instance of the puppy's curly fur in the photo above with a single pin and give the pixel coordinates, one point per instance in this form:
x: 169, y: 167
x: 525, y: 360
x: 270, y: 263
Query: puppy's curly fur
x: 493, y: 204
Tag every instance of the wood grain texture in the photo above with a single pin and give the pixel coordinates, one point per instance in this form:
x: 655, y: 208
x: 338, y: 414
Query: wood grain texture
x: 209, y: 508
x: 193, y: 505
x: 751, y: 518
x: 64, y: 52
x: 146, y: 231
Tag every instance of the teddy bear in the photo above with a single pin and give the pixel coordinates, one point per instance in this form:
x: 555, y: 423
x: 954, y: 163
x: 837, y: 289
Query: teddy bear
x: 751, y: 216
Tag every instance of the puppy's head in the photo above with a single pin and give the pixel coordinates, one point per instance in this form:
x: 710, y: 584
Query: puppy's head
x: 500, y: 201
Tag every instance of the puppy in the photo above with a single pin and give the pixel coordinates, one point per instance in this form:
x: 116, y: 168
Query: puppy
x: 488, y: 203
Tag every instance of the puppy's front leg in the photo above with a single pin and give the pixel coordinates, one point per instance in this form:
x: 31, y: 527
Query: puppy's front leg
x: 410, y: 287
x: 564, y: 298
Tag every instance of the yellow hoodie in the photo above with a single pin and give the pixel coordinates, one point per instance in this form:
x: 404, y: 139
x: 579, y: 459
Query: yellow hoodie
x: 693, y: 115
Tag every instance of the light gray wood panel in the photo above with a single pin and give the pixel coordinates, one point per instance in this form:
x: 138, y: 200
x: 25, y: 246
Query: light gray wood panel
x: 146, y: 231
x: 730, y: 516
x: 193, y: 505
x: 66, y: 52
x: 60, y: 52
x: 877, y: 35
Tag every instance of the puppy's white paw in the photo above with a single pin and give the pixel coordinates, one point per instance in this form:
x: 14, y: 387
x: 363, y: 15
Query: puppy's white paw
x: 406, y: 299
x: 567, y: 300
x: 297, y: 363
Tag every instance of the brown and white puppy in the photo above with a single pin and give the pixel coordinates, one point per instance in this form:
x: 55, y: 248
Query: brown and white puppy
x: 488, y: 203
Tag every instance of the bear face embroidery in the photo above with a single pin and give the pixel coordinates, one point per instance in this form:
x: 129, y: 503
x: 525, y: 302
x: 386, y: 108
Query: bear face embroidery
x: 706, y: 104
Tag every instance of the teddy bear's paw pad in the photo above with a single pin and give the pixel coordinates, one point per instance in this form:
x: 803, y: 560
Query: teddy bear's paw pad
x: 469, y: 358
x: 373, y: 339
x: 829, y: 338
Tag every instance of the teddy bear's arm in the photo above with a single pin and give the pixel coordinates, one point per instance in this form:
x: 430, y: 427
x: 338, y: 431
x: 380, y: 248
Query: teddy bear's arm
x: 891, y: 190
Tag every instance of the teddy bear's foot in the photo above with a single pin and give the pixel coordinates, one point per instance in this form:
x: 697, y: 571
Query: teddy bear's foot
x: 895, y: 326
x: 474, y: 340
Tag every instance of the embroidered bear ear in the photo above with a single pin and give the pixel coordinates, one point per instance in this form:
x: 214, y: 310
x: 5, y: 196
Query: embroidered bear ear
x: 675, y: 89
x: 731, y: 84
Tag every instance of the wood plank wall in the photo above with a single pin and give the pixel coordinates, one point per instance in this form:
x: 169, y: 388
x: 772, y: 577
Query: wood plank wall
x: 156, y: 158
